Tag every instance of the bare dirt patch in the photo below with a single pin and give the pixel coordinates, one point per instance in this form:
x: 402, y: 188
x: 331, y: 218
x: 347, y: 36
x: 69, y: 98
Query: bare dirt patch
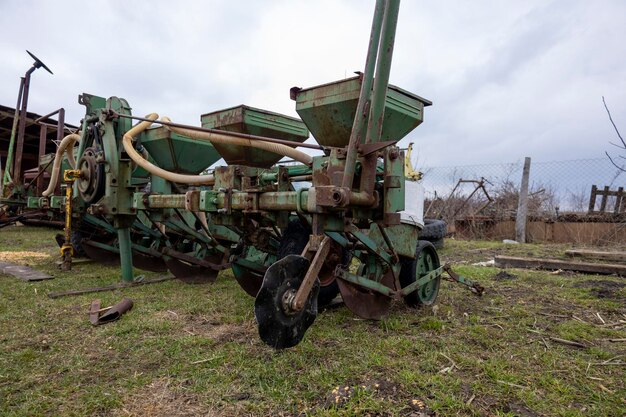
x: 21, y: 257
x: 220, y: 332
x: 161, y: 398
x: 603, y: 288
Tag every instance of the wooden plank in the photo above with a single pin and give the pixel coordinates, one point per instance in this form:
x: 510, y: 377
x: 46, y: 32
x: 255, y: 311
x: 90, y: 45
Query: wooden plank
x: 618, y: 200
x: 554, y: 264
x: 23, y: 272
x: 605, y: 198
x: 592, y: 198
x: 592, y: 254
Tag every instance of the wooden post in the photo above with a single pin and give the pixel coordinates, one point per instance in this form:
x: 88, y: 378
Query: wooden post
x: 605, y: 198
x: 522, y: 204
x: 592, y: 199
x: 618, y: 200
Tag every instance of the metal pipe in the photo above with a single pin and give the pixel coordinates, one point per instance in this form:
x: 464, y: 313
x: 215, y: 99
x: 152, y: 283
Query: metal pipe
x: 126, y: 255
x: 8, y: 165
x: 222, y: 132
x: 383, y: 68
x: 19, y: 149
x: 43, y: 133
x: 38, y: 120
x: 360, y: 117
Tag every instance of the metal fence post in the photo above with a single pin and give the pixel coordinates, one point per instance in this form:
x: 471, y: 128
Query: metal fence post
x: 522, y: 204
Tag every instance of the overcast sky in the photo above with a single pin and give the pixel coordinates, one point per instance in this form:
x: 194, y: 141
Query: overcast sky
x: 508, y: 79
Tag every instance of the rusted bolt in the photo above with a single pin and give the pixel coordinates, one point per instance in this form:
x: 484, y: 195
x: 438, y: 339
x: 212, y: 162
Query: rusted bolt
x: 339, y: 197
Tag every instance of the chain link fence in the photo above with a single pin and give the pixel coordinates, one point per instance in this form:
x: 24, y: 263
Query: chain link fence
x: 493, y: 189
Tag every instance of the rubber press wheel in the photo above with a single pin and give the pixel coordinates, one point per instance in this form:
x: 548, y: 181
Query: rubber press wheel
x: 294, y: 240
x: 426, y: 260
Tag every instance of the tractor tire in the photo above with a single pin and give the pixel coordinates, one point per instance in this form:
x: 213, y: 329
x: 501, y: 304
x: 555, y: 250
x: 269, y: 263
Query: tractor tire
x: 434, y: 231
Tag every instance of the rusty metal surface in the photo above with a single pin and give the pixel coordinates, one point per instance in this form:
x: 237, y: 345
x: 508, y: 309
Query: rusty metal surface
x: 148, y: 263
x: 248, y: 280
x: 365, y: 303
x: 100, y: 255
x: 100, y: 316
x: 191, y: 274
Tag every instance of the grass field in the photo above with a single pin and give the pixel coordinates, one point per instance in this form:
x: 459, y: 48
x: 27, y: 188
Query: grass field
x: 193, y: 350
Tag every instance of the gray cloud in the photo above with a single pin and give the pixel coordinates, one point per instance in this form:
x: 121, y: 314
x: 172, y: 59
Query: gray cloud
x: 508, y: 79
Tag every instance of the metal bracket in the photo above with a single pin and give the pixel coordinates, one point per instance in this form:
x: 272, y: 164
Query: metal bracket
x: 368, y: 148
x: 475, y: 287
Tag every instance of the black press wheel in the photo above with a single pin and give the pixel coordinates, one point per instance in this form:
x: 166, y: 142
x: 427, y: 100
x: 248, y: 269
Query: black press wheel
x: 426, y: 260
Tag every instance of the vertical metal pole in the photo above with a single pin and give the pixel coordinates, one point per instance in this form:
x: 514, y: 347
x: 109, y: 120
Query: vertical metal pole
x: 360, y: 117
x: 43, y: 135
x: 17, y: 170
x: 61, y: 125
x: 8, y: 165
x: 522, y: 205
x: 126, y: 258
x: 383, y: 69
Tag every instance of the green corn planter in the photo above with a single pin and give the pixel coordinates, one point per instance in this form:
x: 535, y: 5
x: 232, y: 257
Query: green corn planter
x: 329, y: 109
x: 258, y: 122
x: 177, y: 153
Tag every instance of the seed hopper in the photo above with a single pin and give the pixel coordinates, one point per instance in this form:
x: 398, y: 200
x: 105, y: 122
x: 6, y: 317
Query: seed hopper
x: 295, y: 235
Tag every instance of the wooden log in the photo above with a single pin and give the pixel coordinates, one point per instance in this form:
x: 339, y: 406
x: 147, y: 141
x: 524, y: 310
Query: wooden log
x: 554, y: 264
x: 592, y: 254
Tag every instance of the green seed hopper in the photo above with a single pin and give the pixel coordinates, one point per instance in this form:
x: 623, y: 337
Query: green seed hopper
x: 329, y: 109
x: 258, y: 122
x: 177, y: 153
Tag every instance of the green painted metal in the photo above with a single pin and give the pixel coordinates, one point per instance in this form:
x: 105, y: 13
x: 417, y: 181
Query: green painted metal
x: 393, y: 184
x: 366, y: 283
x: 178, y: 153
x: 329, y: 110
x: 253, y: 121
x: 428, y: 261
x: 126, y: 258
x: 424, y: 281
x: 383, y: 68
x: 57, y: 202
x: 403, y: 236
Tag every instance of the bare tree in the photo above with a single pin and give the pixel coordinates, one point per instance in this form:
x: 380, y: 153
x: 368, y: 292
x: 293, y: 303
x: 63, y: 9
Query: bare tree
x: 622, y: 146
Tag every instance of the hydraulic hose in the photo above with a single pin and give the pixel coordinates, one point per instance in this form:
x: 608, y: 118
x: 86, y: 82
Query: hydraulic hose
x: 276, y: 148
x: 66, y: 145
x: 127, y: 141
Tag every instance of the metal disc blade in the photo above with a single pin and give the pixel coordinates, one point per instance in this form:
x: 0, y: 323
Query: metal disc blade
x: 278, y: 328
x: 100, y: 255
x: 366, y: 303
x: 191, y: 274
x: 248, y: 280
x: 148, y: 263
x: 39, y: 62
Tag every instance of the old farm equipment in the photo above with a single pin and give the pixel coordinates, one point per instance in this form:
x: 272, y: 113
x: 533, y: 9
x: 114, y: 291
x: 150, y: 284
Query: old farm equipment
x: 295, y: 235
